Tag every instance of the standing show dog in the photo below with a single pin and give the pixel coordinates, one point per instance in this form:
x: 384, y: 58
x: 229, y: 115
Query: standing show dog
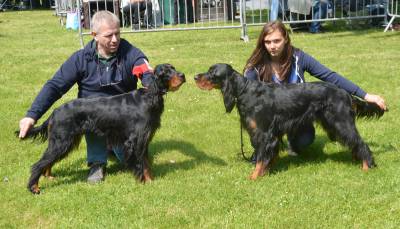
x: 128, y: 120
x: 268, y: 111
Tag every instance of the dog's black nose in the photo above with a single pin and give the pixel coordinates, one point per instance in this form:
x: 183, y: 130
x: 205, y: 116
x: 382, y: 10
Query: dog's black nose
x: 196, y: 77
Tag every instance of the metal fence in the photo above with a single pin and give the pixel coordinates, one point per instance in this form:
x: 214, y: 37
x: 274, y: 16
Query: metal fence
x: 309, y: 11
x: 62, y: 7
x: 393, y: 11
x: 169, y: 15
x: 150, y: 15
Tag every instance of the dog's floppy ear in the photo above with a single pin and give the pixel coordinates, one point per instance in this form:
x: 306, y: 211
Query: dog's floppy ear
x: 227, y: 90
x: 161, y: 77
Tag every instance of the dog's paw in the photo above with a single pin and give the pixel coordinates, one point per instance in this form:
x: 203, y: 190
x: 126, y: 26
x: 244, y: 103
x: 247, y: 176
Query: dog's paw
x: 147, y: 177
x: 257, y: 173
x: 260, y: 170
x: 35, y: 189
x: 366, y: 165
x: 253, y: 176
x: 50, y: 177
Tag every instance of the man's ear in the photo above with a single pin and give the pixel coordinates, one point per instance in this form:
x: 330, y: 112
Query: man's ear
x: 94, y: 35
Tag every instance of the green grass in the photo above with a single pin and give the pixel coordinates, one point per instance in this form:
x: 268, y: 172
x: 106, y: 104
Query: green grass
x: 200, y: 177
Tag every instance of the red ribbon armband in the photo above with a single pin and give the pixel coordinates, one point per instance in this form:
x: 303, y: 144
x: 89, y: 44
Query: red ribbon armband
x: 139, y: 70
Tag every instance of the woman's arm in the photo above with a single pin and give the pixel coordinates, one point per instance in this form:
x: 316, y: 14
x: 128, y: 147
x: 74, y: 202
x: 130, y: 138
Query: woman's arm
x: 323, y: 73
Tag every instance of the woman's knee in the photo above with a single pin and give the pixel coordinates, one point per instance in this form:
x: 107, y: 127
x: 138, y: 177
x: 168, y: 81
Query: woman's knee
x: 302, y: 138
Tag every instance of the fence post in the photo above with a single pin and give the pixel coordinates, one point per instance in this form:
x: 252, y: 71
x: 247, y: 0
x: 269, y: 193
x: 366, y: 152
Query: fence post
x: 392, y: 10
x: 243, y: 24
x: 78, y: 8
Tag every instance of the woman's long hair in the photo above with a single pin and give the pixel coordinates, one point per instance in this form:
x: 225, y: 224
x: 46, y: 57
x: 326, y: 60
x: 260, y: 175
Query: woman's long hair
x: 261, y: 58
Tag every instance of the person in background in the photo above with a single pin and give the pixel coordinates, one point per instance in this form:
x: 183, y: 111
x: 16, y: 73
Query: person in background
x: 274, y: 10
x: 319, y: 11
x: 137, y: 9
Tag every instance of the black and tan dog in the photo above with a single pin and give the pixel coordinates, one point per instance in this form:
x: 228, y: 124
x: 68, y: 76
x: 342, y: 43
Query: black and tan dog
x: 268, y: 111
x: 128, y: 120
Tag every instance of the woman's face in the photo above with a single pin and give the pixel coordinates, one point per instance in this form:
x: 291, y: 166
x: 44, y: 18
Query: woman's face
x: 275, y: 43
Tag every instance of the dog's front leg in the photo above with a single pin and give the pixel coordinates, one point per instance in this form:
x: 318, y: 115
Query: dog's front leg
x: 261, y: 164
x: 47, y: 173
x: 266, y: 154
x: 259, y: 170
x: 147, y: 177
x: 137, y: 148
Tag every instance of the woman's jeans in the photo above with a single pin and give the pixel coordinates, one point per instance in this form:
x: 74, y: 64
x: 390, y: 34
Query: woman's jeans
x: 298, y: 140
x: 97, y: 150
x: 302, y: 138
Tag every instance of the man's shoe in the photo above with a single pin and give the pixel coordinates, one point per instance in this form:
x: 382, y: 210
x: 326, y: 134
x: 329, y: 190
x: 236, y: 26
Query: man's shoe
x: 97, y: 173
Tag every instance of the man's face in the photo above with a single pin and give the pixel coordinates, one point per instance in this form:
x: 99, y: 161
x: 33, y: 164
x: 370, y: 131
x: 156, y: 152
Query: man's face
x: 108, y: 38
x: 275, y: 43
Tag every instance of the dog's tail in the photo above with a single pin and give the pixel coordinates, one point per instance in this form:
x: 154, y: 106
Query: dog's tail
x: 364, y: 109
x: 37, y: 133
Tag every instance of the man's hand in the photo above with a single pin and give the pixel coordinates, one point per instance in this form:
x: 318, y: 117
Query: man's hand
x: 24, y: 125
x: 376, y: 99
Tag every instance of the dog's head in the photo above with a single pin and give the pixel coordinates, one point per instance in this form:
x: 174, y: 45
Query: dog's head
x: 167, y: 78
x: 219, y: 76
x: 215, y: 77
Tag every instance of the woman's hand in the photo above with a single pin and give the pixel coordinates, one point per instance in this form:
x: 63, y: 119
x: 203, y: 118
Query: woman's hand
x: 376, y: 99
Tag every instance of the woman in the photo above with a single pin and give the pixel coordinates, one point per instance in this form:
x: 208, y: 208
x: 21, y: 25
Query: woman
x: 276, y: 60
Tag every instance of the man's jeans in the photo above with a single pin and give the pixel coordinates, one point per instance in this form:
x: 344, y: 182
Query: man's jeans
x: 319, y: 11
x: 273, y: 15
x: 97, y: 150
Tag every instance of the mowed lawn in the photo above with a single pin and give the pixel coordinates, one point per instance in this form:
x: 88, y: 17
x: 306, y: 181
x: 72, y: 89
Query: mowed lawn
x: 201, y: 180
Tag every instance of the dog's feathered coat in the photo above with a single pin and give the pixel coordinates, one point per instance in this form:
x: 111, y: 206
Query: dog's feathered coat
x: 128, y: 120
x: 268, y: 111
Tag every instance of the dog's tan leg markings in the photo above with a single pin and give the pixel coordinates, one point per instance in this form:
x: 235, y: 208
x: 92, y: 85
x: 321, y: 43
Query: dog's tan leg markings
x: 35, y: 189
x: 365, y: 165
x: 147, y: 177
x: 260, y: 170
x: 253, y: 124
x: 47, y: 173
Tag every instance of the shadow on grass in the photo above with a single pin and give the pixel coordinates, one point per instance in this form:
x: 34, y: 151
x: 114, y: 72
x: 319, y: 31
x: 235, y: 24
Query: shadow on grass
x: 68, y: 174
x: 196, y: 157
x: 74, y: 173
x: 315, y: 155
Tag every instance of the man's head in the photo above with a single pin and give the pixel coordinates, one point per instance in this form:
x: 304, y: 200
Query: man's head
x: 105, y: 30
